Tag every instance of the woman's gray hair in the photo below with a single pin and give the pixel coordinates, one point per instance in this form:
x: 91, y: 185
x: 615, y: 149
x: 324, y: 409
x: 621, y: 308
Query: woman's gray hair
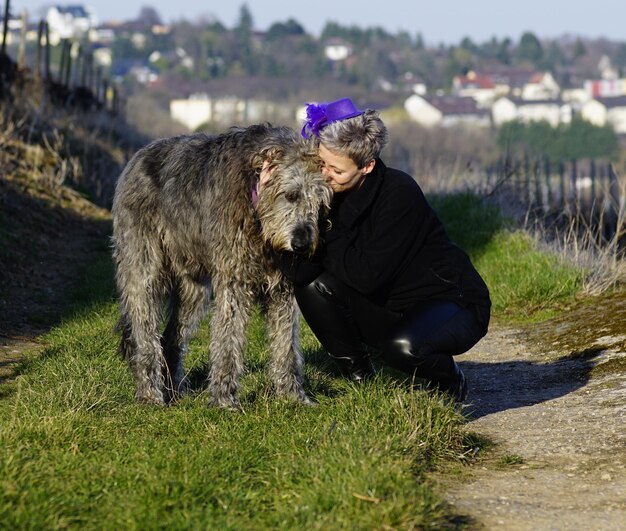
x: 361, y: 138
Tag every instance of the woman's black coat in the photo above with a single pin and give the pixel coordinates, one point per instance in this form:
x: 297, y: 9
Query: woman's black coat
x: 386, y: 242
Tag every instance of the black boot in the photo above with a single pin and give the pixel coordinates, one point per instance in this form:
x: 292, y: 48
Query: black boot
x: 357, y: 368
x: 456, y: 386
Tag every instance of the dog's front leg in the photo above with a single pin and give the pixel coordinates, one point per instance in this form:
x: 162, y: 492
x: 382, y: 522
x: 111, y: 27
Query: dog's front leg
x: 286, y: 366
x: 228, y: 339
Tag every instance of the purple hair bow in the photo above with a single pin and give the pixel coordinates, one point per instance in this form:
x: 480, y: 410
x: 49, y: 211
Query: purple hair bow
x: 316, y: 119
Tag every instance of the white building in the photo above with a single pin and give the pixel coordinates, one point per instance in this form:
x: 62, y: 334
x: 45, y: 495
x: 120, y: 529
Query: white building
x: 445, y: 111
x: 554, y: 112
x: 605, y: 88
x: 602, y: 111
x: 193, y: 111
x: 200, y: 109
x: 65, y: 22
x: 337, y: 50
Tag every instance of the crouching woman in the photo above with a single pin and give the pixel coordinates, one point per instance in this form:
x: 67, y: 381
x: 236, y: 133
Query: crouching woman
x: 387, y: 276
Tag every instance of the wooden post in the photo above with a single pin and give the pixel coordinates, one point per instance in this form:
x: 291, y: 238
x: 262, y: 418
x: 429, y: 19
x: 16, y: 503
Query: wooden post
x: 516, y: 175
x: 537, y: 177
x: 526, y: 178
x: 5, y: 28
x: 21, y: 52
x: 62, y: 60
x: 84, y: 67
x: 615, y: 202
x: 572, y: 179
x: 614, y: 187
x: 592, y: 175
x: 548, y: 176
x: 562, y: 183
x: 105, y: 94
x: 77, y: 65
x: 97, y: 82
x: 38, y: 54
x: 47, y: 52
x: 68, y: 65
x: 114, y: 101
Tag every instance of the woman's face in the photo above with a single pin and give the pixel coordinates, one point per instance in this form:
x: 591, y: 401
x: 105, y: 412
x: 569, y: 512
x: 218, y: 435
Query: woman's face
x: 340, y: 171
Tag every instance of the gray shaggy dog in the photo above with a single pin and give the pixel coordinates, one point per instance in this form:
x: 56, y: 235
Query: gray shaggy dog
x: 189, y: 220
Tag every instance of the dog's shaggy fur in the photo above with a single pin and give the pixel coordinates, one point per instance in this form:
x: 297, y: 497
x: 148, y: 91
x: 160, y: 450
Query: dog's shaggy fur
x: 185, y: 224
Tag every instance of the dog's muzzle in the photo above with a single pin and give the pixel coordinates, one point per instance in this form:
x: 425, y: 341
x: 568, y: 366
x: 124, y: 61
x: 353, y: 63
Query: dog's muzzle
x: 302, y: 239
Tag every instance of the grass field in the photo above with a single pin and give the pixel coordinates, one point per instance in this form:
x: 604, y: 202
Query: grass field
x: 77, y: 452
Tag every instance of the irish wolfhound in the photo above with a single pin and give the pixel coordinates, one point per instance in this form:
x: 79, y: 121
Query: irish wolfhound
x: 188, y: 219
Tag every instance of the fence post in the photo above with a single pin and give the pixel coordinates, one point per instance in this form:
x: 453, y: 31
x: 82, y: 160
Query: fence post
x: 563, y: 198
x: 592, y: 175
x: 77, y: 65
x: 5, y: 26
x: 38, y: 51
x: 62, y: 60
x: 97, y: 82
x: 614, y: 201
x: 47, y: 51
x: 526, y: 178
x: 84, y: 67
x: 573, y: 178
x: 548, y: 175
x: 68, y: 65
x: 614, y: 187
x: 537, y: 178
x: 21, y: 51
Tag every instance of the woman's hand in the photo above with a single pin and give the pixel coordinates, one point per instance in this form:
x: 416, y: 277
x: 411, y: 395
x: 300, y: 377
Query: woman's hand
x: 266, y: 173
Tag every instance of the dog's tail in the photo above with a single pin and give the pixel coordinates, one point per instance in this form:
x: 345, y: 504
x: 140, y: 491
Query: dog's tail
x: 125, y: 348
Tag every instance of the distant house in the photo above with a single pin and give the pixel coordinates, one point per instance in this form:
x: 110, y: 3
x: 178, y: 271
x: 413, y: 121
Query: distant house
x: 605, y: 88
x: 104, y: 35
x: 488, y: 85
x: 540, y: 86
x: 523, y: 83
x: 602, y: 111
x: 479, y: 87
x: 337, y: 50
x: 200, y: 109
x: 193, y: 111
x: 412, y: 83
x: 69, y: 21
x: 445, y: 111
x: 554, y: 112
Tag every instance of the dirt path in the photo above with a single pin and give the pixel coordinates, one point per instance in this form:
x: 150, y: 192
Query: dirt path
x: 559, y: 422
x: 48, y: 238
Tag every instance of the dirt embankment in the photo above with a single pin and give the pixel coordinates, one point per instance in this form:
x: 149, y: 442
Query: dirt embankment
x: 48, y: 234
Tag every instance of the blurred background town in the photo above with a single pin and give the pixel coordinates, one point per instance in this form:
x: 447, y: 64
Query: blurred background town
x: 464, y: 104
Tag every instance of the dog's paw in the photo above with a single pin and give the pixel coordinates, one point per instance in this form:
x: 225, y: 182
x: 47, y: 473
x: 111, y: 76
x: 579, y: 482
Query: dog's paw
x: 151, y: 397
x: 308, y: 401
x: 229, y: 403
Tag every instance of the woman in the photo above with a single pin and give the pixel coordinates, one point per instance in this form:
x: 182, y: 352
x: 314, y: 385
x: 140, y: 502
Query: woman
x: 387, y: 277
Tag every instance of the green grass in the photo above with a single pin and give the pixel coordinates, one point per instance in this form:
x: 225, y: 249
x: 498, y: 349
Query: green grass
x: 525, y: 282
x: 76, y: 451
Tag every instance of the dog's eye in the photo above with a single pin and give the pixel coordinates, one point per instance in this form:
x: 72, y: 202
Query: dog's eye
x: 292, y: 196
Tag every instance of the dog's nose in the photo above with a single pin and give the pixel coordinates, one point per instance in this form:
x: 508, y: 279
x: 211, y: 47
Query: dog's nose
x: 301, y: 240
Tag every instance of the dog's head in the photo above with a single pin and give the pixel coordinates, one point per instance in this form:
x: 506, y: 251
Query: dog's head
x: 293, y: 197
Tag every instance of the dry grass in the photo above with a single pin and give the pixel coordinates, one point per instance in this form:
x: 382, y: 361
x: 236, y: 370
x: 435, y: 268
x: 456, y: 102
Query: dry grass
x: 591, y: 243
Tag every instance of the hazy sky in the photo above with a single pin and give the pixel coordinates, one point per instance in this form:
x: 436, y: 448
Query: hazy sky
x: 437, y: 20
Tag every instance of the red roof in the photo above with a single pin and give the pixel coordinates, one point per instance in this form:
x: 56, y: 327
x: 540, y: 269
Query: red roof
x: 474, y: 81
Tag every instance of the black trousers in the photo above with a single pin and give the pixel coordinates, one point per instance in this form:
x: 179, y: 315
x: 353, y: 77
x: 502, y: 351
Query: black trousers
x: 421, y: 341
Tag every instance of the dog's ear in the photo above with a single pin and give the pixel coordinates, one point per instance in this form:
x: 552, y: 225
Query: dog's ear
x: 271, y: 155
